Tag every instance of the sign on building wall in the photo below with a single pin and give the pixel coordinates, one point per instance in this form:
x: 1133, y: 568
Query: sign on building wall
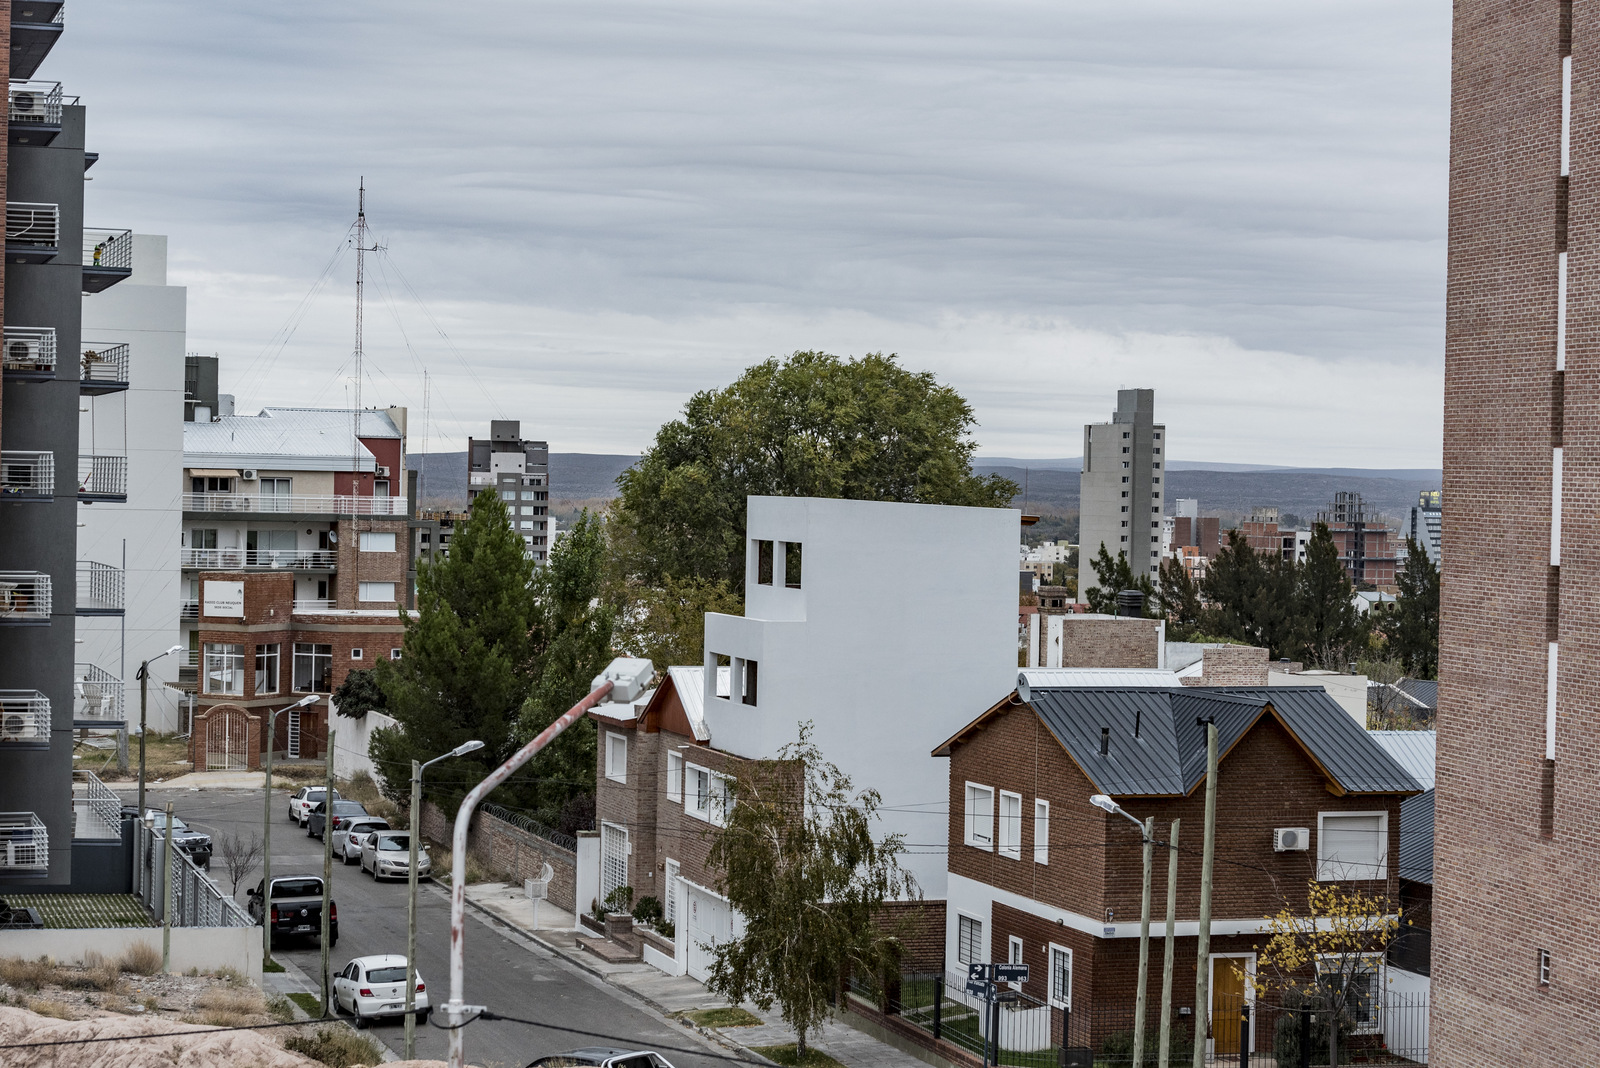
x: 223, y: 599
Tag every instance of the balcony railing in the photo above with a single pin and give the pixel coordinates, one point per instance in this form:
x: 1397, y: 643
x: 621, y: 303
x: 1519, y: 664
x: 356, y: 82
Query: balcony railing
x: 27, y: 476
x: 313, y: 604
x: 111, y: 249
x: 291, y: 503
x: 99, y: 589
x: 24, y: 718
x: 30, y: 352
x: 96, y: 697
x: 102, y: 368
x: 24, y: 598
x: 98, y: 808
x: 24, y: 845
x: 35, y: 103
x: 265, y: 559
x: 189, y: 610
x: 32, y: 226
x: 102, y: 478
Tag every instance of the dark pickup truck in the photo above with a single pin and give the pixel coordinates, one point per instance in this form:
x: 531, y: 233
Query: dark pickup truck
x: 296, y: 909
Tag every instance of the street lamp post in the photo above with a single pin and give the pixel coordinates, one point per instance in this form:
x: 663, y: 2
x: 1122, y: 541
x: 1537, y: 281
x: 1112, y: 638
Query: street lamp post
x: 266, y: 829
x: 1147, y: 831
x: 144, y: 690
x: 411, y: 901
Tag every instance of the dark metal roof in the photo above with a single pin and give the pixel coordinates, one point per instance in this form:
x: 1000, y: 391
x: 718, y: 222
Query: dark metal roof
x: 1424, y: 691
x: 1416, y: 838
x: 1157, y: 748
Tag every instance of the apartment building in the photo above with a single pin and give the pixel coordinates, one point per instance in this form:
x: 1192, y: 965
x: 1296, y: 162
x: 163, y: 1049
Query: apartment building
x: 47, y: 475
x: 1265, y: 533
x: 1366, y: 544
x: 1423, y: 523
x: 520, y: 472
x: 1119, y: 491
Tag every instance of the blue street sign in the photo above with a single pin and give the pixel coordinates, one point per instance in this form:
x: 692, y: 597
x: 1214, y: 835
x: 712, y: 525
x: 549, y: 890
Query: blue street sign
x: 980, y: 989
x: 1011, y: 973
x: 980, y: 973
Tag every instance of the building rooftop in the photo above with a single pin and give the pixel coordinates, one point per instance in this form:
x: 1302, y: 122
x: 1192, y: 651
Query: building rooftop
x: 1412, y: 750
x: 299, y: 439
x: 1416, y: 838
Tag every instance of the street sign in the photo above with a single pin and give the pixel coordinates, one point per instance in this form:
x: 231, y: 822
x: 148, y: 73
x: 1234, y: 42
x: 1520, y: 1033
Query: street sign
x: 980, y: 989
x: 980, y: 973
x: 1006, y: 997
x: 1011, y: 973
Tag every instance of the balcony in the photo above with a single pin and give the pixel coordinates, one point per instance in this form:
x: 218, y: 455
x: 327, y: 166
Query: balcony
x: 27, y: 476
x: 290, y: 504
x: 35, y: 114
x: 96, y: 698
x: 258, y: 559
x: 24, y: 599
x: 107, y: 258
x: 24, y: 720
x: 103, y: 369
x: 189, y: 610
x: 313, y: 604
x: 35, y: 29
x: 33, y: 231
x: 24, y: 845
x: 102, y: 478
x: 99, y: 589
x: 30, y: 354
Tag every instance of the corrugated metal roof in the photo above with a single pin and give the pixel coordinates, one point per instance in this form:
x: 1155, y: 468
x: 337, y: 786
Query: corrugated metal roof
x: 321, y: 434
x: 1425, y: 691
x: 1339, y: 743
x: 1412, y: 750
x: 690, y: 682
x: 1416, y: 838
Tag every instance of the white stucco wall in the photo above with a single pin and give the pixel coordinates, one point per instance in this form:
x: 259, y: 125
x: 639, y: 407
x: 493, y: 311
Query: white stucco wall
x: 207, y: 948
x: 353, y: 737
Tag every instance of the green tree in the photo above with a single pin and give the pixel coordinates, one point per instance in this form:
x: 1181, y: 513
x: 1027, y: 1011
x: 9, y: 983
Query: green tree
x: 1114, y: 576
x: 359, y: 694
x: 1178, y: 600
x: 665, y: 624
x: 797, y: 857
x: 1412, y: 626
x: 1251, y: 597
x: 810, y: 425
x: 1331, y: 629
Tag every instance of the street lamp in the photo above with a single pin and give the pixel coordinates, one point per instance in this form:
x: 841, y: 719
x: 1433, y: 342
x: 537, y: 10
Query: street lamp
x: 411, y: 903
x: 144, y: 690
x: 1147, y: 834
x: 266, y: 828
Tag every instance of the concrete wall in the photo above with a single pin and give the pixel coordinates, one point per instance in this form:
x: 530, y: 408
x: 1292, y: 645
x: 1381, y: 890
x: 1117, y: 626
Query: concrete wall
x: 354, y: 737
x: 511, y: 853
x: 206, y: 948
x: 1349, y: 690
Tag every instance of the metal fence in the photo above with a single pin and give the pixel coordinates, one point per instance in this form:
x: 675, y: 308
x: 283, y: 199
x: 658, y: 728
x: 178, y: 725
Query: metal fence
x: 27, y: 474
x: 196, y: 900
x: 99, y: 588
x: 30, y: 348
x: 104, y: 363
x: 111, y: 249
x: 102, y: 476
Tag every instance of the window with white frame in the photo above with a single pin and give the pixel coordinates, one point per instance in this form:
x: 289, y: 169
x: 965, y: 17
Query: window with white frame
x: 675, y: 778
x: 616, y: 757
x: 969, y: 940
x: 1060, y: 976
x: 377, y: 591
x: 224, y: 668
x: 377, y: 541
x: 721, y: 799
x: 394, y: 654
x: 1041, y: 831
x: 1010, y: 825
x: 1359, y: 977
x: 1352, y: 845
x: 267, y: 669
x: 697, y: 792
x: 357, y: 653
x: 980, y: 816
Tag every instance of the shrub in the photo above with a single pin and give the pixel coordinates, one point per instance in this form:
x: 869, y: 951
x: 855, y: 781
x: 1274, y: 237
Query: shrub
x: 46, y: 1007
x: 667, y: 929
x: 97, y: 974
x: 280, y: 1008
x: 29, y: 975
x: 141, y: 958
x: 620, y: 899
x: 1117, y: 1048
x: 337, y: 1047
x: 648, y: 910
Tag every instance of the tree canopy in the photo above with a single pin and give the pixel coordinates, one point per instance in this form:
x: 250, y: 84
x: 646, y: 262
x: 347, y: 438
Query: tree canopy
x: 1412, y: 625
x: 1114, y: 576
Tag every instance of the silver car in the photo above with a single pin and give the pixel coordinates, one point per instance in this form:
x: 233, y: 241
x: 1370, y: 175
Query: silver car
x: 386, y: 854
x: 347, y: 839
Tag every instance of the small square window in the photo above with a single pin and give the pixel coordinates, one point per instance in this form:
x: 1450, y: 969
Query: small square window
x: 394, y: 654
x: 356, y: 654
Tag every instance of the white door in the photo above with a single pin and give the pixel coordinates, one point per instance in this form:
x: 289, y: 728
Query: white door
x: 709, y: 924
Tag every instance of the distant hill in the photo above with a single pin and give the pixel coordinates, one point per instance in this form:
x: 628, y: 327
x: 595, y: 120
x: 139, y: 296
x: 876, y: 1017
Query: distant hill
x: 573, y: 475
x: 1075, y: 463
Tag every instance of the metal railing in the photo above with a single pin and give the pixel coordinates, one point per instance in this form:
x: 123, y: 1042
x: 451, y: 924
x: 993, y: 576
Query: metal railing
x: 197, y: 901
x: 274, y: 559
x: 30, y: 348
x: 27, y: 474
x: 189, y: 610
x: 24, y: 596
x: 312, y: 604
x: 24, y: 843
x: 103, y: 363
x: 24, y: 716
x: 102, y: 476
x: 32, y: 225
x: 108, y: 249
x: 99, y: 588
x: 35, y: 103
x: 97, y: 694
x: 101, y: 802
x: 284, y: 502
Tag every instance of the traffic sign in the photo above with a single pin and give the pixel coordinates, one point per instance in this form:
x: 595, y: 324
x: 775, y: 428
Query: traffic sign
x: 980, y: 973
x: 980, y: 989
x: 1011, y: 973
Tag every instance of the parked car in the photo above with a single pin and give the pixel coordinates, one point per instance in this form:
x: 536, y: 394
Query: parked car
x: 374, y: 987
x: 193, y: 844
x: 343, y: 812
x: 602, y: 1057
x: 301, y: 800
x: 295, y: 910
x: 347, y: 839
x: 387, y: 855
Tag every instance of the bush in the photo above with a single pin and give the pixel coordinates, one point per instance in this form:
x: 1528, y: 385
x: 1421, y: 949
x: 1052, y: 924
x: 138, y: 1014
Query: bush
x: 648, y: 910
x: 28, y: 975
x: 97, y: 974
x: 337, y: 1047
x: 229, y: 1006
x: 620, y: 899
x: 1286, y: 1035
x: 141, y: 958
x: 666, y: 929
x: 1118, y: 1047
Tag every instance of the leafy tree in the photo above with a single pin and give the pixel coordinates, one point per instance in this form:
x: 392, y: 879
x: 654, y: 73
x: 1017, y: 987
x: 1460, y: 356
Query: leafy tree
x: 1114, y: 576
x: 1412, y: 626
x: 359, y: 694
x: 1178, y: 600
x: 797, y: 858
x: 1251, y: 598
x: 1331, y: 628
x: 666, y: 623
x: 810, y: 425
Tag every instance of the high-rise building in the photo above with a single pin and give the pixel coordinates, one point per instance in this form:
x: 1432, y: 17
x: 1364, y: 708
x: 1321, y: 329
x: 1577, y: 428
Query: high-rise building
x: 520, y: 472
x: 1365, y: 543
x: 1514, y: 950
x: 1119, y: 492
x: 1422, y: 524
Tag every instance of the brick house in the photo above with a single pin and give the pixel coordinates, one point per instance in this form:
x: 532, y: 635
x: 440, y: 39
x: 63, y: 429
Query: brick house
x: 1038, y: 875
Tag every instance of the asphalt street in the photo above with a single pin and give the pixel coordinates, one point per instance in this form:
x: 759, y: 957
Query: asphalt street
x: 505, y: 971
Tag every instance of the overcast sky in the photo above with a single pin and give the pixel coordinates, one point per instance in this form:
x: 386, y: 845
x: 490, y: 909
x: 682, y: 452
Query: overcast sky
x: 607, y: 206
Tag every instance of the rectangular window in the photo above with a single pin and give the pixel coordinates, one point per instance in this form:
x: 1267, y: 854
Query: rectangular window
x: 617, y: 757
x: 394, y: 654
x: 380, y: 488
x: 675, y: 778
x: 267, y: 669
x: 721, y: 799
x: 669, y: 899
x: 224, y: 668
x: 375, y: 541
x: 763, y: 563
x: 1060, y: 976
x: 980, y: 816
x: 791, y: 564
x: 969, y: 940
x: 527, y: 524
x: 1010, y: 825
x: 203, y: 539
x: 530, y: 495
x: 749, y: 696
x: 1544, y: 967
x: 377, y: 591
x: 357, y: 653
x: 1352, y: 846
x: 276, y: 487
x: 1360, y: 979
x: 697, y: 792
x: 313, y: 667
x: 508, y: 495
x: 1041, y: 832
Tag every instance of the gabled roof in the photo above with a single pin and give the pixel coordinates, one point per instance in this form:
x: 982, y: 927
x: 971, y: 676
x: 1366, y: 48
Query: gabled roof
x: 298, y: 439
x: 1412, y: 750
x: 1416, y: 838
x: 1424, y: 691
x: 690, y: 683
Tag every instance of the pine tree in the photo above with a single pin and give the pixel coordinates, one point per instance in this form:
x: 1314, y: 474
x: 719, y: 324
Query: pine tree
x: 1114, y: 576
x: 1413, y: 623
x: 1332, y: 631
x: 1178, y: 600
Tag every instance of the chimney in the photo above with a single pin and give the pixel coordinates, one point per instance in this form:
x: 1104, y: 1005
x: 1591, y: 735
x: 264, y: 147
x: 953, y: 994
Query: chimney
x: 1130, y: 603
x: 1105, y: 741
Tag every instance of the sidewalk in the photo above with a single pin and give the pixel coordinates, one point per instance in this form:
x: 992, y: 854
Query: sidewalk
x: 292, y: 980
x: 674, y: 995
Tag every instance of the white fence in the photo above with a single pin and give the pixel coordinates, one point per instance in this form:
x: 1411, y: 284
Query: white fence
x: 196, y: 900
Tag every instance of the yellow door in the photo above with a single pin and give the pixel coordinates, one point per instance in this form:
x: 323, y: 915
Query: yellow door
x: 1227, y: 994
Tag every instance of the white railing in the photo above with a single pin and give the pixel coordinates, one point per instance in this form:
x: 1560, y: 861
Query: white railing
x: 27, y: 474
x: 24, y: 596
x: 99, y: 588
x: 312, y: 604
x: 102, y: 476
x: 24, y: 716
x: 196, y: 900
x: 285, y: 502
x: 190, y: 610
x: 23, y: 842
x: 102, y: 803
x: 30, y: 349
x: 97, y: 695
x: 276, y: 559
x: 105, y: 249
x: 32, y: 225
x: 36, y: 103
x: 103, y: 363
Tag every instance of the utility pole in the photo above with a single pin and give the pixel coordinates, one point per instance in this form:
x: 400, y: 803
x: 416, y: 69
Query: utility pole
x: 1202, y: 973
x: 1142, y: 1003
x: 1166, y: 964
x: 166, y: 895
x: 327, y: 871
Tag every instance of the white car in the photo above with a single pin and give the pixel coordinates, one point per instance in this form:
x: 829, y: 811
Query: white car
x: 301, y: 801
x: 387, y: 855
x: 372, y: 987
x: 347, y: 839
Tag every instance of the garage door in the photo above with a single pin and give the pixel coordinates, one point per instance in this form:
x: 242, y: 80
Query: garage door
x: 708, y: 925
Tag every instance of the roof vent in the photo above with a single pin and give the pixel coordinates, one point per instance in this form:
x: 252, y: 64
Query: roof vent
x: 1138, y: 718
x: 1130, y: 603
x: 1105, y: 741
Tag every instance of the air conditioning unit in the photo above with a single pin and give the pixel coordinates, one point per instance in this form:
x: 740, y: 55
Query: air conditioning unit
x: 383, y: 471
x: 24, y: 352
x: 28, y: 106
x: 1291, y: 839
x: 248, y: 475
x: 14, y: 726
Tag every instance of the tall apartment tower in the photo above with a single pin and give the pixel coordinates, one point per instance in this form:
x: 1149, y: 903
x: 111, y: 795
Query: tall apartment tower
x: 1516, y: 952
x: 1119, y: 492
x: 520, y: 472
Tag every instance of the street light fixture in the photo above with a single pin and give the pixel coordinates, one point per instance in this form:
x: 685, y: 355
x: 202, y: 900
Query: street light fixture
x: 411, y: 901
x: 144, y: 690
x: 266, y: 828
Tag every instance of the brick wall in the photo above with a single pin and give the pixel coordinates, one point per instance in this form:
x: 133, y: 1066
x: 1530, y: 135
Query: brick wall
x: 1231, y: 665
x: 1110, y: 642
x: 920, y: 927
x: 510, y: 853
